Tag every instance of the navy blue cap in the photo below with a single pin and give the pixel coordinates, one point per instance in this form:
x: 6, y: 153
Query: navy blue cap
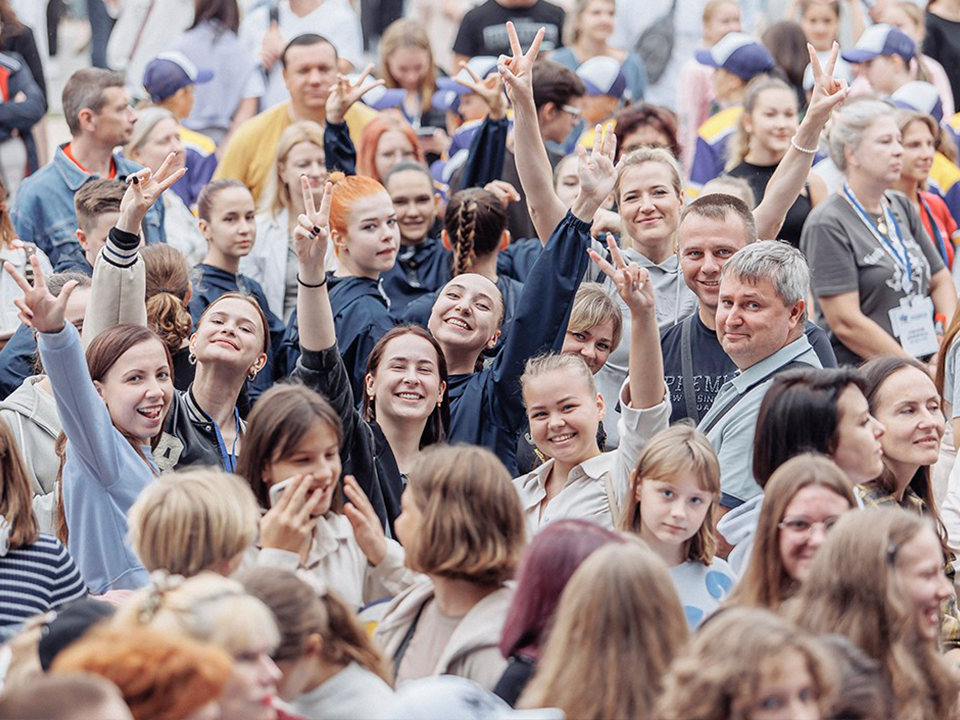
x: 169, y: 72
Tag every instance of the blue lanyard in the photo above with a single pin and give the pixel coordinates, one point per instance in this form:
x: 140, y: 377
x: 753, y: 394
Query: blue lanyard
x: 937, y: 236
x: 228, y: 459
x: 901, y: 260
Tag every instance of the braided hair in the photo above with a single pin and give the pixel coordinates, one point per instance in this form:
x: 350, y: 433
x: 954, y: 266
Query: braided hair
x: 474, y: 222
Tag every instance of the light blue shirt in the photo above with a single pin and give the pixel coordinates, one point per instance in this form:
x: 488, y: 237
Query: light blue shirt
x: 732, y: 437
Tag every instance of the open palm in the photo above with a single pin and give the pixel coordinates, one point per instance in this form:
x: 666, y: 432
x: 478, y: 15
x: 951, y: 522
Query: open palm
x: 38, y: 308
x: 597, y: 172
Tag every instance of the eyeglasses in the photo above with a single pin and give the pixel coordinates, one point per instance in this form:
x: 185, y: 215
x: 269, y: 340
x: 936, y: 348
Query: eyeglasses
x: 804, y: 526
x: 575, y: 111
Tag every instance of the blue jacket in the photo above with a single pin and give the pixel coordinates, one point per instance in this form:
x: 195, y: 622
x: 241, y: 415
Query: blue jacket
x: 209, y: 283
x: 44, y: 214
x: 102, y: 475
x: 486, y: 408
x: 201, y: 167
x: 16, y: 360
x: 20, y: 116
x: 361, y: 315
x: 419, y: 270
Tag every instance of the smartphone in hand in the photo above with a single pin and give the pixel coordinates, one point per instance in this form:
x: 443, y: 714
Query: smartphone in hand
x: 276, y: 491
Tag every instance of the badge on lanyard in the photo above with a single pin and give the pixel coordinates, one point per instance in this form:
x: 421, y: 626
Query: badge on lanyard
x: 912, y: 324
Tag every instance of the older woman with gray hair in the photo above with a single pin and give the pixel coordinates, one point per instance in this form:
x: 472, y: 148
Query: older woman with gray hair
x: 156, y: 134
x: 879, y: 284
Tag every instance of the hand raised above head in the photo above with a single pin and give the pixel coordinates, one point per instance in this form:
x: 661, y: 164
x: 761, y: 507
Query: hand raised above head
x: 312, y: 233
x: 517, y: 69
x: 144, y: 188
x: 343, y: 94
x: 597, y: 172
x: 490, y: 89
x: 38, y: 308
x: 632, y: 281
x: 828, y: 91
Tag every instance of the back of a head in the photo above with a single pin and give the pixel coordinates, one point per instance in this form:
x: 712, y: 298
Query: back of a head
x: 861, y: 692
x: 474, y: 222
x: 195, y: 520
x: 161, y: 676
x: 64, y: 696
x: 167, y: 287
x: 16, y: 493
x: 616, y: 630
x: 95, y: 198
x: 554, y: 83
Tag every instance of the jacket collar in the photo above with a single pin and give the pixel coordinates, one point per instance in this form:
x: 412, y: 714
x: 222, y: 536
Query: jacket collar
x: 74, y: 177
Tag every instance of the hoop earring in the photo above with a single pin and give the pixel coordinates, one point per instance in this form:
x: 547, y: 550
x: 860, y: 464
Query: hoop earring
x: 191, y: 358
x: 252, y: 375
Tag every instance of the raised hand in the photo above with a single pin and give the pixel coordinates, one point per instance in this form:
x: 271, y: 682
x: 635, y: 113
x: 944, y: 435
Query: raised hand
x: 489, y: 89
x: 367, y: 529
x: 143, y: 190
x: 312, y: 233
x: 344, y: 93
x: 39, y: 309
x: 828, y: 91
x: 632, y: 281
x: 289, y: 524
x: 517, y: 70
x: 597, y: 173
x: 503, y: 191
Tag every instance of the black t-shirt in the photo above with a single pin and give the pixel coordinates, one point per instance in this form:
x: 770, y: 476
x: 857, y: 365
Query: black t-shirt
x: 483, y: 30
x: 758, y: 176
x: 712, y: 367
x: 942, y: 43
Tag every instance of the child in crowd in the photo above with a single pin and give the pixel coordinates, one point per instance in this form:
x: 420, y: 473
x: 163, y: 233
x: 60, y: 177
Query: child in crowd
x: 672, y: 506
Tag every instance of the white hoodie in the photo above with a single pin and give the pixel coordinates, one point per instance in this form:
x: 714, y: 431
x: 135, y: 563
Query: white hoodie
x: 739, y: 528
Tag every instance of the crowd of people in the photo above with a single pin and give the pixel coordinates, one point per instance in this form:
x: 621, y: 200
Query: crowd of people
x: 481, y: 360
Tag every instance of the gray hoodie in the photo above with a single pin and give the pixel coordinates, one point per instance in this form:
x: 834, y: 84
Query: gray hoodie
x: 32, y: 415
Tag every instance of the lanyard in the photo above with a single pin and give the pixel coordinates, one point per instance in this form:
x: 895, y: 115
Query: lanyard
x: 228, y: 459
x: 937, y: 236
x: 903, y: 260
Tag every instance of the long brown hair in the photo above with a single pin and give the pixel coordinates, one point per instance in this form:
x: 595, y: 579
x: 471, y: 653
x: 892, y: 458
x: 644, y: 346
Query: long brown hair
x: 279, y: 421
x: 300, y: 612
x: 15, y: 493
x: 615, y: 633
x: 167, y: 287
x: 7, y: 232
x: 435, y: 430
x: 406, y: 33
x: 765, y: 583
x: 853, y: 590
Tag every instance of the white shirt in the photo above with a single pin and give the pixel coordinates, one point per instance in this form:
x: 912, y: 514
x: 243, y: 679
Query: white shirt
x: 593, y: 484
x: 183, y: 232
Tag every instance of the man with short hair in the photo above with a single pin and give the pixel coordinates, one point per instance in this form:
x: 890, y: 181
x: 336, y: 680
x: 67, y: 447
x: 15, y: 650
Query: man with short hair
x: 97, y: 110
x: 309, y: 70
x: 97, y: 205
x: 712, y: 229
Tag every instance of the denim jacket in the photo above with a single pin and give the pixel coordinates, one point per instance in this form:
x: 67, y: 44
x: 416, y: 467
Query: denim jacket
x: 44, y: 213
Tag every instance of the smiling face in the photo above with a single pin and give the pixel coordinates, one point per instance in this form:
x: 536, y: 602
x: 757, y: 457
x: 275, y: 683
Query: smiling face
x: 413, y: 199
x: 919, y: 570
x: 649, y: 203
x: 919, y: 149
x: 594, y: 345
x: 786, y: 690
x: 409, y: 66
x: 407, y: 385
x: 317, y: 454
x: 705, y: 245
x: 310, y: 72
x: 394, y: 147
x: 251, y: 690
x: 908, y: 406
x: 232, y: 228
x: 672, y: 511
x: 752, y: 320
x: 859, y: 452
x: 162, y: 140
x: 819, y: 23
x: 806, y: 520
x: 467, y: 314
x: 372, y: 239
x: 773, y: 122
x: 564, y: 415
x: 137, y: 390
x: 304, y: 158
x: 231, y: 332
x: 879, y: 154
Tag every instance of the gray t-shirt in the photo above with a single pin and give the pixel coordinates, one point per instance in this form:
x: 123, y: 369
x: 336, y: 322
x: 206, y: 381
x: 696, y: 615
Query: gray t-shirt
x: 844, y: 256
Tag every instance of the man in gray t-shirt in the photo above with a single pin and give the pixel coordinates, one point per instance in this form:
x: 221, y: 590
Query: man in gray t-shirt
x: 844, y: 256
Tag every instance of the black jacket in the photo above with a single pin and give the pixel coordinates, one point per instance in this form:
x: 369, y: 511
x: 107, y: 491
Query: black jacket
x: 189, y: 437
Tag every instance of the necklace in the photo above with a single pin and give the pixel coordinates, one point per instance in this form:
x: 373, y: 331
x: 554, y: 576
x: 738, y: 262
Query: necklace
x: 882, y: 225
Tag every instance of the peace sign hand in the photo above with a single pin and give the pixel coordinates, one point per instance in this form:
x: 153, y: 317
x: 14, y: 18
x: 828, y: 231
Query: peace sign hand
x: 597, y: 172
x: 39, y: 309
x: 312, y: 233
x: 490, y: 89
x: 517, y: 71
x: 343, y: 94
x: 143, y: 190
x: 632, y: 281
x: 828, y: 91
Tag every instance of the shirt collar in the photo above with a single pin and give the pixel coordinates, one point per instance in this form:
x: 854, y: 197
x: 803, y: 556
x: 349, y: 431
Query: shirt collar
x: 671, y: 265
x: 786, y: 354
x: 327, y: 537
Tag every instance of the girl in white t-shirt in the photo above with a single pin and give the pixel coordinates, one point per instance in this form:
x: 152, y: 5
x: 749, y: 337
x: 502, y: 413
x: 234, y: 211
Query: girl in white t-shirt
x: 674, y: 492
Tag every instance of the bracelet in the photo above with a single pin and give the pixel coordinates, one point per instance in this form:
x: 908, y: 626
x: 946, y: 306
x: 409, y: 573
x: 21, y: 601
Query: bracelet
x: 806, y: 151
x: 308, y: 285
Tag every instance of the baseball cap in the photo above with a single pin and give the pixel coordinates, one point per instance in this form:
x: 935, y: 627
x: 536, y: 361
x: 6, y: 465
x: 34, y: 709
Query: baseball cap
x: 879, y: 40
x: 602, y: 75
x: 170, y: 71
x: 448, y: 696
x: 379, y: 97
x: 920, y: 96
x: 738, y: 53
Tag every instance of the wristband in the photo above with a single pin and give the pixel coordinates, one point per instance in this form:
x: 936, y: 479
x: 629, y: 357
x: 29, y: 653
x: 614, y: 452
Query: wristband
x: 308, y: 285
x: 805, y: 151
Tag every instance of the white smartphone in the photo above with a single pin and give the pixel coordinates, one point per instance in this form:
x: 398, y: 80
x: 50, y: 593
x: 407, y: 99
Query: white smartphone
x: 276, y: 491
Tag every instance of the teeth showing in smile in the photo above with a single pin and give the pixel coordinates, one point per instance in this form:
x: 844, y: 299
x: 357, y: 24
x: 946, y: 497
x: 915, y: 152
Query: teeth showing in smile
x: 457, y: 322
x: 561, y: 438
x: 151, y: 413
x: 408, y: 396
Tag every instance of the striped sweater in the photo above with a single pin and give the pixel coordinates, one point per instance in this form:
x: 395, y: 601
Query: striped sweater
x: 35, y: 579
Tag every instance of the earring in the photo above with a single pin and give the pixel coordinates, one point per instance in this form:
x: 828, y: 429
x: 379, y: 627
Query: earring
x: 252, y: 375
x: 191, y: 358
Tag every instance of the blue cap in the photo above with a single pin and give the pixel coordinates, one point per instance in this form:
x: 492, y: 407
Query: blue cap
x: 602, y: 75
x: 169, y: 72
x: 740, y: 54
x: 921, y: 97
x: 879, y: 40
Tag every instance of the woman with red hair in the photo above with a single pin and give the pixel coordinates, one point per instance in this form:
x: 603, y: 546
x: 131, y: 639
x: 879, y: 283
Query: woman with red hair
x: 366, y: 238
x: 386, y: 141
